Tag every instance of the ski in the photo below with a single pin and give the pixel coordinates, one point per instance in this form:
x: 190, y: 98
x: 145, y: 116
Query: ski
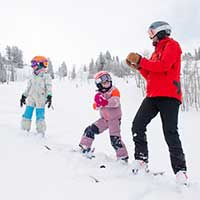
x: 94, y: 179
x: 155, y: 173
x: 160, y: 173
x: 87, y: 154
x: 47, y: 147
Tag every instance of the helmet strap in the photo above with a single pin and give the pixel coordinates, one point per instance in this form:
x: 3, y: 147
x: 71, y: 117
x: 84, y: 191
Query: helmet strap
x: 161, y: 35
x: 102, y: 89
x: 154, y: 43
x: 37, y: 71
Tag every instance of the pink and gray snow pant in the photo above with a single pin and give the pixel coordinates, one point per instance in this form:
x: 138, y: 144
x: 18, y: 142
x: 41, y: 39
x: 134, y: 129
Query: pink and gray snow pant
x: 114, y: 130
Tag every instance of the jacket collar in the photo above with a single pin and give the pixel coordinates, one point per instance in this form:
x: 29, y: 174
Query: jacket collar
x: 162, y: 42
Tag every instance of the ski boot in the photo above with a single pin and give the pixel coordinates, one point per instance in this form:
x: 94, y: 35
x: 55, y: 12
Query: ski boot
x: 181, y: 178
x: 139, y: 166
x: 26, y: 124
x: 123, y: 160
x: 87, y: 151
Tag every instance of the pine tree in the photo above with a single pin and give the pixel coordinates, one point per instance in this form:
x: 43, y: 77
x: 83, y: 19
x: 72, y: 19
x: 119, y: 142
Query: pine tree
x: 91, y: 69
x: 14, y: 60
x: 101, y: 62
x: 62, y: 71
x: 84, y: 68
x: 3, y: 73
x: 108, y: 56
x: 73, y: 74
x: 50, y: 69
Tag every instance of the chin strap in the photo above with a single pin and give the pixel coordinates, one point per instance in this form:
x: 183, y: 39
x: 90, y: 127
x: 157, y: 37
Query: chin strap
x: 102, y: 89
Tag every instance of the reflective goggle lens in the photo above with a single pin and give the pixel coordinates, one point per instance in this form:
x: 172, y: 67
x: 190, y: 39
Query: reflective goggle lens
x: 39, y: 64
x: 151, y: 33
x: 34, y: 63
x: 103, y: 79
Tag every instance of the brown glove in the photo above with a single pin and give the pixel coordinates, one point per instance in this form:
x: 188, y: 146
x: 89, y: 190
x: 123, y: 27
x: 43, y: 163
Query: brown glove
x: 133, y: 58
x: 134, y: 66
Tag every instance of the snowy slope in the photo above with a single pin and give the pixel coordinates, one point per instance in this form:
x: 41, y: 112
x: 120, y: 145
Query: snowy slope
x: 29, y: 171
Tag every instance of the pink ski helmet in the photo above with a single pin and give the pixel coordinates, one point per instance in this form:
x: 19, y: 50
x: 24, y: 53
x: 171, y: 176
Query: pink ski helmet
x: 102, y: 77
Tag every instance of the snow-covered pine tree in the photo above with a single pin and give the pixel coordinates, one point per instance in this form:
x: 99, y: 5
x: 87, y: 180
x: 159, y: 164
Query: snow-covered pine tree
x: 50, y: 69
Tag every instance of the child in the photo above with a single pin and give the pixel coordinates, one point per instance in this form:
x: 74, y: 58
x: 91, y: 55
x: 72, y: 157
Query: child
x: 107, y: 100
x: 38, y: 93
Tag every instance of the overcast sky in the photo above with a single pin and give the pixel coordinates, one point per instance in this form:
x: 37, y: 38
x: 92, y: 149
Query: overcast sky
x: 77, y: 30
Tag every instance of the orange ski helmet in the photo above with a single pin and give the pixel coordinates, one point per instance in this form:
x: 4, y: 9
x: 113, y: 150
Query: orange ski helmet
x: 39, y: 61
x: 102, y: 77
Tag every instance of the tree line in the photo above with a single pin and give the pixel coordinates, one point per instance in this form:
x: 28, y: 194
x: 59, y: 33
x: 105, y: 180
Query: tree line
x: 190, y: 74
x: 13, y: 59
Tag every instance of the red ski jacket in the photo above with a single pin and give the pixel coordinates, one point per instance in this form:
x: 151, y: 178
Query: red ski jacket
x: 162, y: 70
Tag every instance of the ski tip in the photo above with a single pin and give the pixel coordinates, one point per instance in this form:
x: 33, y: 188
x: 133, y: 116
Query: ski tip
x: 102, y: 166
x: 94, y: 179
x: 155, y: 173
x: 47, y: 147
x: 158, y: 173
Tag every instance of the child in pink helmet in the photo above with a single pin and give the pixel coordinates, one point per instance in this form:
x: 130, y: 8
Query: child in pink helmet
x: 107, y: 101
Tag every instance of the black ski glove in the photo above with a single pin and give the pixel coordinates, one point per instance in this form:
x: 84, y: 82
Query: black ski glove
x: 48, y: 101
x: 22, y: 100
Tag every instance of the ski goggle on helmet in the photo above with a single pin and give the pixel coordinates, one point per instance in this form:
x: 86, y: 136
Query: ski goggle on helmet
x: 102, y: 77
x: 158, y: 26
x: 39, y: 61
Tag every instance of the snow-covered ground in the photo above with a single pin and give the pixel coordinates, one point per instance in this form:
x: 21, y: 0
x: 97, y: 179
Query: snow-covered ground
x: 28, y: 171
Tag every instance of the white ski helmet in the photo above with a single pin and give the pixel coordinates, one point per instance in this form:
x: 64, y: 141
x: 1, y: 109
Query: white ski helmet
x: 157, y: 27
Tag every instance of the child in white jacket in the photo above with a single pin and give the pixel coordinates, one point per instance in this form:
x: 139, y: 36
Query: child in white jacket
x: 38, y: 93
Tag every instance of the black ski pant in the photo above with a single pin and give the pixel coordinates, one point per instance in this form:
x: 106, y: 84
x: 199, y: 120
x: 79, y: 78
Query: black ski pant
x: 168, y: 109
